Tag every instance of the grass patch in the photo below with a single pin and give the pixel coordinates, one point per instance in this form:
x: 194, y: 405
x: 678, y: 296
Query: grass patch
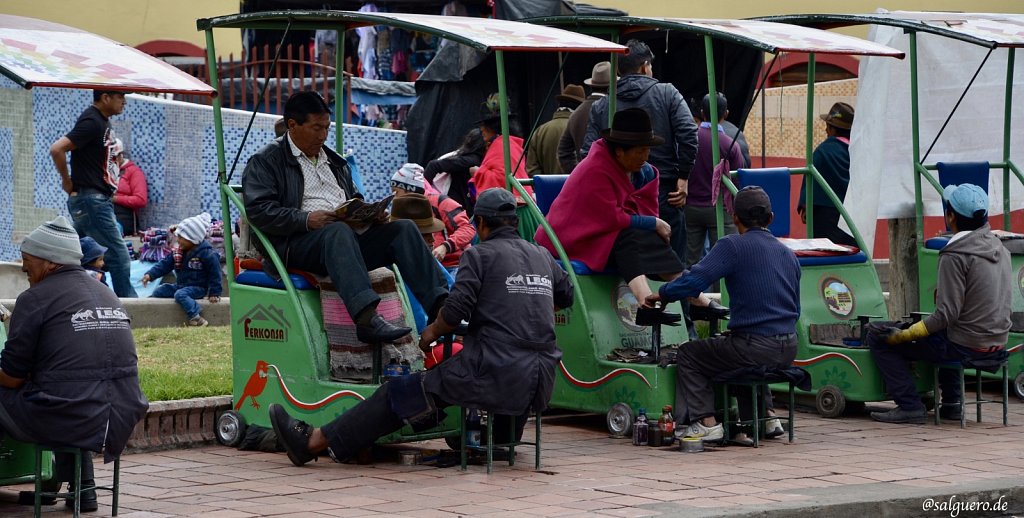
x: 184, y: 363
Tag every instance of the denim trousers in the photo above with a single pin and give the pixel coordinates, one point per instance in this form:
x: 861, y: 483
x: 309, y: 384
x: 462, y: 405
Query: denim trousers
x: 92, y: 213
x: 347, y: 256
x: 894, y: 364
x: 185, y: 296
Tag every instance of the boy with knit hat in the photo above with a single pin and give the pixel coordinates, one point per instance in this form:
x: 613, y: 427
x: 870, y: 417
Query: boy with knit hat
x: 448, y: 243
x: 92, y: 258
x: 196, y: 268
x: 68, y: 371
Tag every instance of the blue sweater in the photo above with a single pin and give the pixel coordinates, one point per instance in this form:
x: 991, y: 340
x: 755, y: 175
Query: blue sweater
x: 762, y: 276
x: 200, y: 268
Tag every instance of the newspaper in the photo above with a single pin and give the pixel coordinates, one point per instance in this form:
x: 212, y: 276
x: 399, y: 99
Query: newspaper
x: 820, y: 244
x: 358, y: 211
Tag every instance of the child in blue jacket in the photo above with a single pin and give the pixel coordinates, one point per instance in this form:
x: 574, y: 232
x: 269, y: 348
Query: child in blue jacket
x: 196, y: 268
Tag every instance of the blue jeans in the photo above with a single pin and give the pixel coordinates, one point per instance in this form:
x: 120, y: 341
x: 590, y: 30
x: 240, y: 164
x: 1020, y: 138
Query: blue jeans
x: 894, y: 364
x: 93, y: 215
x: 186, y: 297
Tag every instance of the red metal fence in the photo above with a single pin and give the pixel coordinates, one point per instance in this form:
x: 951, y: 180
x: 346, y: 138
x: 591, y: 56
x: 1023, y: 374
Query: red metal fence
x: 241, y: 81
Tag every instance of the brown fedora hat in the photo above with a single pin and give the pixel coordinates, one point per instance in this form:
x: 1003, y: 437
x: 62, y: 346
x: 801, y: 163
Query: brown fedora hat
x: 632, y: 127
x: 416, y: 208
x: 600, y: 76
x: 840, y: 116
x: 572, y: 93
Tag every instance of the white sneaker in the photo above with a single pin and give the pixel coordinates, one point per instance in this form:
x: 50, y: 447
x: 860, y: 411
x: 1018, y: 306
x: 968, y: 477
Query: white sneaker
x: 773, y: 429
x: 706, y: 434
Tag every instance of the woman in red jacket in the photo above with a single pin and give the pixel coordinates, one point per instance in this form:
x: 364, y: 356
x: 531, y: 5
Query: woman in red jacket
x: 131, y: 195
x: 448, y: 244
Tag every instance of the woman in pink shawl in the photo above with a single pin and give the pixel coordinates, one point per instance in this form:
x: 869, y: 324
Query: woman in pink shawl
x: 606, y: 214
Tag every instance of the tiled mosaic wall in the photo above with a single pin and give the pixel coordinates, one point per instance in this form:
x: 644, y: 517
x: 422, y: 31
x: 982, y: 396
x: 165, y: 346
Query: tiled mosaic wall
x: 785, y: 112
x: 172, y: 142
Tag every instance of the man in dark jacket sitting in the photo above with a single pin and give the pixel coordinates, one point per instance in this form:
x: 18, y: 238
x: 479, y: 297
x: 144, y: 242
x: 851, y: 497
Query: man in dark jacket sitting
x: 292, y: 187
x: 507, y: 289
x: 68, y: 371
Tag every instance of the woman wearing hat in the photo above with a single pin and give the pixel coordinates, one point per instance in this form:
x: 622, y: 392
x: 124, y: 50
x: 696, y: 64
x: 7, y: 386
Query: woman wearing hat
x: 605, y: 215
x: 491, y: 172
x: 132, y: 193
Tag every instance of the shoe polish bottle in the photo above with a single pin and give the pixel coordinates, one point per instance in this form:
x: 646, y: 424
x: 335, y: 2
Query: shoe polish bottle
x: 667, y: 424
x: 641, y: 429
x: 473, y: 427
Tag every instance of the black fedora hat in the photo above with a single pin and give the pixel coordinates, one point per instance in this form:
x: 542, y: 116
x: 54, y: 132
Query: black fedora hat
x: 491, y: 109
x: 632, y: 127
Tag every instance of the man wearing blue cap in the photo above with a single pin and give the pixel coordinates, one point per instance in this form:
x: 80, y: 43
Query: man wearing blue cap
x: 972, y: 310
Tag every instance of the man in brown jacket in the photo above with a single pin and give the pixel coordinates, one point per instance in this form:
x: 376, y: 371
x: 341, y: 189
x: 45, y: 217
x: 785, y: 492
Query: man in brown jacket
x: 572, y: 138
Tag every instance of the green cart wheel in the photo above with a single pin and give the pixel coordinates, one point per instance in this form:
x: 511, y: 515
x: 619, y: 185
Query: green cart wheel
x: 830, y: 401
x: 620, y: 420
x: 230, y: 428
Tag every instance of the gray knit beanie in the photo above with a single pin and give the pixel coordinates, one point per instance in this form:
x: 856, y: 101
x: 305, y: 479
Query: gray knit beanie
x: 56, y: 241
x: 195, y: 228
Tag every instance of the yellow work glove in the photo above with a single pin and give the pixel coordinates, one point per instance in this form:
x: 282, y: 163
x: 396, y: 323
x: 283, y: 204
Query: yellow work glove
x: 914, y: 332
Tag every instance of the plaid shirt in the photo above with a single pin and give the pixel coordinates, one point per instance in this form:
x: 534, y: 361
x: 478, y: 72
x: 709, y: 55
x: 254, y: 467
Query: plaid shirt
x: 321, y: 190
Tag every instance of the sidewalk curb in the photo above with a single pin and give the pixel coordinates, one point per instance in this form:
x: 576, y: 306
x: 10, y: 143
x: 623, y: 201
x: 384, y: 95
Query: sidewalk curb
x: 882, y: 500
x: 185, y: 423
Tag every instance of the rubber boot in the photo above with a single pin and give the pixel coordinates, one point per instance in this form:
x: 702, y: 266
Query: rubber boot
x: 87, y: 502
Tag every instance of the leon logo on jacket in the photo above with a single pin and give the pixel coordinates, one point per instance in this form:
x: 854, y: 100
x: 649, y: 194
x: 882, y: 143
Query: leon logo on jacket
x: 88, y: 319
x: 528, y: 284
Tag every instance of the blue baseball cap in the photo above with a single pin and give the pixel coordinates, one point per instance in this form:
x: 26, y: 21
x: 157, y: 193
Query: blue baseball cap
x: 966, y: 199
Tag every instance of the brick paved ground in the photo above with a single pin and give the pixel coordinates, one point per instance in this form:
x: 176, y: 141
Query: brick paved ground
x: 586, y: 473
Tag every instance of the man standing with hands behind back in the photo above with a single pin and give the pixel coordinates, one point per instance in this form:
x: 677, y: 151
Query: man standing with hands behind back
x: 93, y: 181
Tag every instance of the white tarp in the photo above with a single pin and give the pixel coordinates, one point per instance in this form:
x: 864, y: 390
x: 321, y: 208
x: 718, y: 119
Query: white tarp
x: 881, y: 167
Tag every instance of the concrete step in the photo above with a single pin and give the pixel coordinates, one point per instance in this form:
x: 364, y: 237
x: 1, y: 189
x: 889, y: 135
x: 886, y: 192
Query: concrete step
x: 164, y: 312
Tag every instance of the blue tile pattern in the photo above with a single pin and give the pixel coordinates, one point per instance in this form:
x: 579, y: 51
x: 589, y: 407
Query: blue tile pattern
x: 172, y: 142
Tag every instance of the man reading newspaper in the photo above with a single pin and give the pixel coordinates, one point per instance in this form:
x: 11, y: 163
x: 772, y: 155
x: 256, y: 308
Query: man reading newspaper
x: 293, y: 188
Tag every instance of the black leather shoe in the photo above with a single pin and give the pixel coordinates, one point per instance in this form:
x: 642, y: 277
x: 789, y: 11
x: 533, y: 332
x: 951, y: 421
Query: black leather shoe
x: 293, y: 434
x: 899, y: 415
x: 713, y: 311
x: 651, y: 316
x: 380, y: 331
x: 950, y: 413
x: 87, y: 502
x: 28, y: 498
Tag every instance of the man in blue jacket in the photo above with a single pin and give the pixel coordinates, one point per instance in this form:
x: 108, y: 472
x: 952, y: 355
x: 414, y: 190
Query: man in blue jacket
x: 832, y: 160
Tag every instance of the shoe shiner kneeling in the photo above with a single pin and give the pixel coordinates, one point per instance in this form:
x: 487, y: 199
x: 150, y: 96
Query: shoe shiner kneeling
x: 508, y: 290
x: 972, y: 311
x: 196, y: 268
x: 765, y: 304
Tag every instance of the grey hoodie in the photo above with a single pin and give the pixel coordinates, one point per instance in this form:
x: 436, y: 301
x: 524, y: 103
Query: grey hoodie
x: 972, y: 296
x: 670, y: 117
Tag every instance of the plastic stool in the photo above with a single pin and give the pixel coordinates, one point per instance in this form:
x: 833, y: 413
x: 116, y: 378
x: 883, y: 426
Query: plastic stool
x: 978, y: 401
x: 757, y: 380
x: 76, y: 494
x: 489, y: 447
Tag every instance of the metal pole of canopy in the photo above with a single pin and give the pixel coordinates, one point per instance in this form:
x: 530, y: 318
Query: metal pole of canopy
x: 613, y: 82
x: 915, y: 138
x: 218, y: 124
x: 809, y: 148
x: 340, y: 110
x: 499, y: 58
x: 1006, y: 139
x: 709, y: 61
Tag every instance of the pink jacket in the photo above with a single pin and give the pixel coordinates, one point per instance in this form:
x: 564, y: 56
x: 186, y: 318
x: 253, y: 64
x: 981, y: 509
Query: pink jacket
x: 131, y: 188
x: 595, y: 204
x: 492, y: 169
x: 460, y: 232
